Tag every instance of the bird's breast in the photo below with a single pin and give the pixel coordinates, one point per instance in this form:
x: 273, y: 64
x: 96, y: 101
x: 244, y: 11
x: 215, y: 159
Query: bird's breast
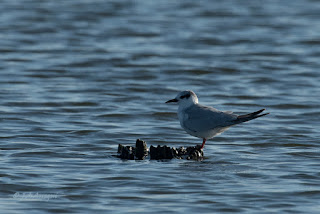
x: 182, y: 118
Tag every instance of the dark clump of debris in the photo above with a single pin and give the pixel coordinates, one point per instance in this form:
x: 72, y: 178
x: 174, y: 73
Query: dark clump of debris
x: 161, y: 152
x: 189, y: 153
x: 140, y: 152
x: 126, y: 152
x: 133, y: 153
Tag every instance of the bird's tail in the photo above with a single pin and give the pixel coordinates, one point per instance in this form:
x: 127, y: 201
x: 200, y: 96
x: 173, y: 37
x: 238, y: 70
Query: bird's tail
x: 250, y: 116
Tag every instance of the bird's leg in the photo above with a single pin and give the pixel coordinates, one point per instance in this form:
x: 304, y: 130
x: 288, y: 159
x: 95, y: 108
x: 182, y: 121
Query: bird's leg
x: 203, y: 142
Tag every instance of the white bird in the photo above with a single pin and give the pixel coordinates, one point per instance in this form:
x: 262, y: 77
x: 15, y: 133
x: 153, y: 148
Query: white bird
x: 206, y: 122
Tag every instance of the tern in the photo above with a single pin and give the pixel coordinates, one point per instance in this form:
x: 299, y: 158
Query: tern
x: 206, y: 122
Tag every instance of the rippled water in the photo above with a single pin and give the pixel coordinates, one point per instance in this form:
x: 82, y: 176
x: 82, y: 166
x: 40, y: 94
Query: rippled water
x: 79, y: 77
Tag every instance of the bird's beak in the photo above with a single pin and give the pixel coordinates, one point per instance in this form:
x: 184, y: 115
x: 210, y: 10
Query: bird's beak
x: 172, y: 101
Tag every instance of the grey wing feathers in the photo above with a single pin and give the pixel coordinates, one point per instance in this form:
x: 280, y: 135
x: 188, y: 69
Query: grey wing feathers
x: 250, y: 116
x: 205, y: 118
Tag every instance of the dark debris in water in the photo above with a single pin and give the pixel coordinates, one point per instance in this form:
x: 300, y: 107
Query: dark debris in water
x: 140, y: 152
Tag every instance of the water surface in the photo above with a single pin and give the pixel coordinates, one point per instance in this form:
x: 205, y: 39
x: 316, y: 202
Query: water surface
x: 79, y: 77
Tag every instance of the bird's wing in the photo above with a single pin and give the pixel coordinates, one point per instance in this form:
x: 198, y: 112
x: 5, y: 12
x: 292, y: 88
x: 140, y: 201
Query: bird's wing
x: 202, y: 118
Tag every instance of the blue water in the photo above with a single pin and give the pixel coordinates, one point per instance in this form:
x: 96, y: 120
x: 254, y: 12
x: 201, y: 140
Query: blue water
x: 79, y: 77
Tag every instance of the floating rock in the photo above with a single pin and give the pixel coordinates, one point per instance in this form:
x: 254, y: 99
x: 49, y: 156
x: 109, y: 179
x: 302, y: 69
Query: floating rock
x: 140, y: 152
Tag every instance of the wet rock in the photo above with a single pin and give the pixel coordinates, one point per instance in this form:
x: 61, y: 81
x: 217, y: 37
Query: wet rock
x: 182, y: 151
x: 160, y: 152
x: 141, y: 150
x: 195, y: 153
x: 189, y: 153
x: 126, y: 152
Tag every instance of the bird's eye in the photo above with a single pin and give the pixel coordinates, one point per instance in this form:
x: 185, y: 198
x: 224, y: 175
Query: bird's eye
x: 185, y: 96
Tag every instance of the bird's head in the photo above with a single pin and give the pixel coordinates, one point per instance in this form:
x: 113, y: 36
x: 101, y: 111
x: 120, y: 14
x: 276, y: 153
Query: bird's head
x: 185, y: 99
